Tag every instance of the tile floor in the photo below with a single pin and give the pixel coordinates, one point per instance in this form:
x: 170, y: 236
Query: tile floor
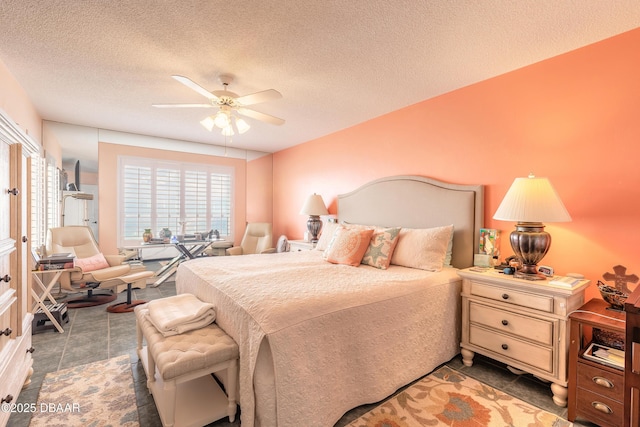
x: 93, y: 334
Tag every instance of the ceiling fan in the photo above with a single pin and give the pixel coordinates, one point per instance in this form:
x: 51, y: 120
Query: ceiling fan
x: 229, y: 105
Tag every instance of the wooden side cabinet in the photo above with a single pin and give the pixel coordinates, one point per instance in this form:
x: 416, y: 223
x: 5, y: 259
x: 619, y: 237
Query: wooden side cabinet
x: 632, y: 361
x: 596, y: 391
x: 519, y: 322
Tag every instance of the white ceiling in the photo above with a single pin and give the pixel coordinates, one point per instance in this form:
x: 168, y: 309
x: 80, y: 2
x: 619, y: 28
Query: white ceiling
x: 102, y: 64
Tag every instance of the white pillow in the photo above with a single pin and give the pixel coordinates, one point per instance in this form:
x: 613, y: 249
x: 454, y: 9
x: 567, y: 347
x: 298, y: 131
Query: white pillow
x: 328, y: 229
x: 423, y: 248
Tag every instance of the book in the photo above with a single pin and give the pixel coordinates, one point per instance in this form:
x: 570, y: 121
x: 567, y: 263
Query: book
x: 605, y: 355
x: 60, y: 258
x: 565, y: 281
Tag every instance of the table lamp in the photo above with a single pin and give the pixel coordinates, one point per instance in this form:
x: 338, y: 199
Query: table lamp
x: 530, y: 202
x: 314, y: 207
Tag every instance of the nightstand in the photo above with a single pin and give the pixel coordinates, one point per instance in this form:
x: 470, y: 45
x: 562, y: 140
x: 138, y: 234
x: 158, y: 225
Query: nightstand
x: 519, y: 322
x: 596, y: 391
x: 300, y: 245
x: 632, y: 361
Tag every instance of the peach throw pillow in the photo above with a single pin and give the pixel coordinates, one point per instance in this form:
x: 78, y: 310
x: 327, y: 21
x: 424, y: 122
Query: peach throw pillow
x: 348, y: 246
x: 95, y: 262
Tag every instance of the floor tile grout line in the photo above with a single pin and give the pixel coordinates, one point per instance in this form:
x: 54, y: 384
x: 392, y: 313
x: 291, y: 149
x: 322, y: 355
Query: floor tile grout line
x: 66, y: 341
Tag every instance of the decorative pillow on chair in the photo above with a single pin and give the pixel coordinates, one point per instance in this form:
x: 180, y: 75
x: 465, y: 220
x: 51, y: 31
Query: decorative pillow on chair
x: 383, y: 242
x: 423, y: 248
x: 95, y: 262
x: 348, y: 246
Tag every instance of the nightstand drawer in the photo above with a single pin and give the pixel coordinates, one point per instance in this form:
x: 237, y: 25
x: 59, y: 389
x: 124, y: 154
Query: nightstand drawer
x: 531, y: 354
x: 511, y: 296
x: 529, y: 328
x: 300, y: 245
x: 600, y: 381
x: 599, y: 409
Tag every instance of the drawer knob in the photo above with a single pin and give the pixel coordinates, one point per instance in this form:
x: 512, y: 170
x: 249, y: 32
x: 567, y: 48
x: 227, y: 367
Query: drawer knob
x: 505, y: 296
x: 5, y: 278
x: 603, y: 382
x: 505, y: 347
x: 6, y: 332
x: 13, y: 191
x: 31, y: 350
x: 7, y: 399
x: 505, y: 322
x: 599, y: 406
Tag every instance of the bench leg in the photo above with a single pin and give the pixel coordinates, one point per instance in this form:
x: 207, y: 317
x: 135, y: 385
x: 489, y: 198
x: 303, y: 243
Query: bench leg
x: 232, y: 379
x: 151, y: 375
x: 140, y: 337
x: 171, y: 402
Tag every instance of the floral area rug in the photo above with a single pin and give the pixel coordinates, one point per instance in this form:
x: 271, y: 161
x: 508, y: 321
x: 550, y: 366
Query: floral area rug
x: 448, y: 398
x: 98, y: 394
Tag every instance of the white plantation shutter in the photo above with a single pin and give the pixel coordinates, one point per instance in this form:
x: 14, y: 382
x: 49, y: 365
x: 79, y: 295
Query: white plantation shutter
x: 136, y: 199
x: 38, y: 201
x: 196, y: 213
x: 220, y: 203
x: 167, y: 200
x: 53, y: 194
x: 157, y: 194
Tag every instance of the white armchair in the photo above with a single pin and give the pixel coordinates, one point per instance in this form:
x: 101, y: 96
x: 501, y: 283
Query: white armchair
x: 257, y: 239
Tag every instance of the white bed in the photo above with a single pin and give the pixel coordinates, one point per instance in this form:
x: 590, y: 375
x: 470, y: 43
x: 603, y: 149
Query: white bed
x: 317, y: 339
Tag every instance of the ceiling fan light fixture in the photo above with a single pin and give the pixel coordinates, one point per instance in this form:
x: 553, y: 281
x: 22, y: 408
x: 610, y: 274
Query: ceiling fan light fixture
x: 242, y: 125
x: 228, y: 130
x: 208, y: 123
x: 221, y: 119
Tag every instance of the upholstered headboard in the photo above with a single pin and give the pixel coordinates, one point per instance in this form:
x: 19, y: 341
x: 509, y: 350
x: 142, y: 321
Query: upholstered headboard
x: 419, y: 202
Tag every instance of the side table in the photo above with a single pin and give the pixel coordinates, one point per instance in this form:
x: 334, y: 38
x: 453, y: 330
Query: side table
x: 519, y: 322
x: 632, y: 361
x: 595, y: 390
x: 46, y: 293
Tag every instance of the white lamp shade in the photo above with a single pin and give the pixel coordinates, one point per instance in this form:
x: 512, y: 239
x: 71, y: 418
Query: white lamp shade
x: 221, y: 119
x: 314, y: 205
x: 242, y: 126
x: 532, y: 199
x: 208, y: 123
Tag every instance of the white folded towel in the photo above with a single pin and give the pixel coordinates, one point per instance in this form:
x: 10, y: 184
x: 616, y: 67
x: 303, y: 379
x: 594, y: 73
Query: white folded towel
x: 179, y: 314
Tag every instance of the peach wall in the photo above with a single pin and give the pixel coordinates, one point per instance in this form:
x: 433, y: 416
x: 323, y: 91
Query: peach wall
x: 108, y: 181
x: 572, y: 118
x: 260, y: 189
x: 17, y: 105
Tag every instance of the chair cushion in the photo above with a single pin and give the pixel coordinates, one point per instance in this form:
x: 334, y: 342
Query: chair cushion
x: 191, y: 351
x: 92, y: 263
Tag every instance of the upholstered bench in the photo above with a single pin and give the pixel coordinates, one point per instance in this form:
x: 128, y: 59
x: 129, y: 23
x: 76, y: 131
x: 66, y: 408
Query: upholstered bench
x: 179, y: 369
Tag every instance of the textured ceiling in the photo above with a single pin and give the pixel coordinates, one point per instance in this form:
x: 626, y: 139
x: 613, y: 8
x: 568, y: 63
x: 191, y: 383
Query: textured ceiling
x: 337, y: 63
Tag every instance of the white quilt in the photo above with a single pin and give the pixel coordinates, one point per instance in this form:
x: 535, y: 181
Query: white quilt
x: 339, y: 336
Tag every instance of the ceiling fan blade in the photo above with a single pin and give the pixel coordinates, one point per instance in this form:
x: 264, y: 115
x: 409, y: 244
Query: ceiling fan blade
x: 194, y: 86
x: 260, y: 116
x: 182, y: 105
x: 258, y: 97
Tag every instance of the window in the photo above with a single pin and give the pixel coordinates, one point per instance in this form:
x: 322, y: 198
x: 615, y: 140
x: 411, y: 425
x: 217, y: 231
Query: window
x: 38, y: 201
x: 159, y: 194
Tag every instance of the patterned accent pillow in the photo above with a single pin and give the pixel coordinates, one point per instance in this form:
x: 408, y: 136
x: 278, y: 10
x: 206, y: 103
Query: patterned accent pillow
x: 348, y: 246
x: 95, y: 262
x: 423, y: 248
x: 383, y: 242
